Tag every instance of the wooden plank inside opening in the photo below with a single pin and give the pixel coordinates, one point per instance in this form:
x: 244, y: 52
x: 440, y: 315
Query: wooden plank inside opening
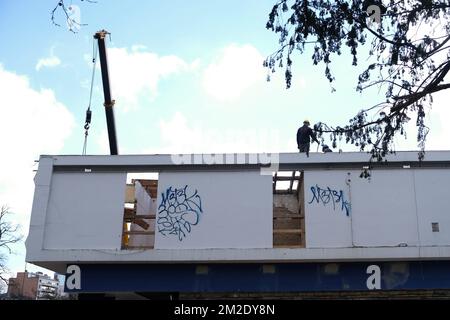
x: 129, y: 193
x: 150, y: 185
x: 301, y: 199
x: 286, y: 223
x: 285, y: 231
x: 274, y: 183
x: 292, y: 181
x: 141, y: 223
x: 287, y: 239
x: 288, y: 226
x: 140, y: 232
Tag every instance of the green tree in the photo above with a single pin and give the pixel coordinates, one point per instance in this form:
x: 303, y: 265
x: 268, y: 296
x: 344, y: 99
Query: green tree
x: 409, y: 51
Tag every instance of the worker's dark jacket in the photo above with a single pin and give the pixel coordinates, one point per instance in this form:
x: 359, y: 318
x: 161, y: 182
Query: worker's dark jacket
x: 304, y: 134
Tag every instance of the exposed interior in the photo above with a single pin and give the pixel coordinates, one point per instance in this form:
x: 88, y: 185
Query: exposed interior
x: 140, y: 210
x: 288, y: 210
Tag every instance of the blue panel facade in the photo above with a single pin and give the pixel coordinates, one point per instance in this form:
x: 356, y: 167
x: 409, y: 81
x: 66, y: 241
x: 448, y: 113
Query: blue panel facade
x: 286, y: 277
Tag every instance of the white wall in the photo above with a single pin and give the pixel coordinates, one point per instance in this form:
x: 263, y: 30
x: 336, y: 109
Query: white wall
x: 326, y: 225
x: 394, y: 208
x: 384, y: 209
x: 433, y: 205
x: 85, y: 211
x: 236, y: 210
x: 63, y: 217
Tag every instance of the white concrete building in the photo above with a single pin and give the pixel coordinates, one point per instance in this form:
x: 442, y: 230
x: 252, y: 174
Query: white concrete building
x: 243, y: 223
x: 47, y: 287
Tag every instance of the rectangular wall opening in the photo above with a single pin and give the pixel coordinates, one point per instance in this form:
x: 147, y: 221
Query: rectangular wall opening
x: 140, y: 211
x: 288, y: 209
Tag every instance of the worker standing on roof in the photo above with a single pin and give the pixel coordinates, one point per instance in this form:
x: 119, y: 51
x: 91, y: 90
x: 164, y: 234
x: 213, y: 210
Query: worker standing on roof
x: 304, y: 134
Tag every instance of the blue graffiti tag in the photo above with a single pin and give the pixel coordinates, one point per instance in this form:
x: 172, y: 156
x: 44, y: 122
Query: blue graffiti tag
x: 178, y: 212
x: 326, y: 196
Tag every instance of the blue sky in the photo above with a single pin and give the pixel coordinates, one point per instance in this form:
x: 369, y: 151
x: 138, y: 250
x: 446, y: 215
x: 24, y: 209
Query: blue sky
x: 186, y: 77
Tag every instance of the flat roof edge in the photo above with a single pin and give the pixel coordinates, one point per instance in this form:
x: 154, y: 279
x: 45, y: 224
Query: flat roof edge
x: 276, y: 161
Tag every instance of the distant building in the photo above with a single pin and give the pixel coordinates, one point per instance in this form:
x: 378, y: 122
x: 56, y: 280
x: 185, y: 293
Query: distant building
x: 61, y: 293
x: 35, y: 286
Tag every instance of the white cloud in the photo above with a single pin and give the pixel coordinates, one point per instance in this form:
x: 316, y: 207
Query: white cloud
x: 49, y: 62
x: 135, y: 74
x: 33, y: 123
x: 138, y: 47
x: 99, y: 144
x: 102, y: 142
x: 178, y: 136
x: 237, y: 69
x: 435, y: 120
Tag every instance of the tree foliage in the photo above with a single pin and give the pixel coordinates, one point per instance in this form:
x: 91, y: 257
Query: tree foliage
x: 409, y: 49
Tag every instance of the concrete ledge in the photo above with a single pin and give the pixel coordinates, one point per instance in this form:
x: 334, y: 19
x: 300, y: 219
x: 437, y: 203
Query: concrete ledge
x: 58, y: 258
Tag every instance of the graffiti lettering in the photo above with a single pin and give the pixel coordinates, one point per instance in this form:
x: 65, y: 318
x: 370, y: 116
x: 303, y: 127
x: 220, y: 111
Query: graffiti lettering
x: 178, y: 212
x: 328, y: 195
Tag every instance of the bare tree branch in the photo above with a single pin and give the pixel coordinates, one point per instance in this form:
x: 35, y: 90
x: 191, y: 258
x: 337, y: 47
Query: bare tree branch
x: 411, y: 68
x: 72, y: 23
x: 9, y: 234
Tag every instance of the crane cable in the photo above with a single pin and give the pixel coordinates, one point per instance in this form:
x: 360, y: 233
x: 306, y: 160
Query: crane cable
x: 87, y: 123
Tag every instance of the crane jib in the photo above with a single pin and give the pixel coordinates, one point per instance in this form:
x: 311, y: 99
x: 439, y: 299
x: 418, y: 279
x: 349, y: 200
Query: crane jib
x: 109, y: 103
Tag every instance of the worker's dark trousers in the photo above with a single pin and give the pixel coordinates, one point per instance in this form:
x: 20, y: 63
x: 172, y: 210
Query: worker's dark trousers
x: 304, y: 147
